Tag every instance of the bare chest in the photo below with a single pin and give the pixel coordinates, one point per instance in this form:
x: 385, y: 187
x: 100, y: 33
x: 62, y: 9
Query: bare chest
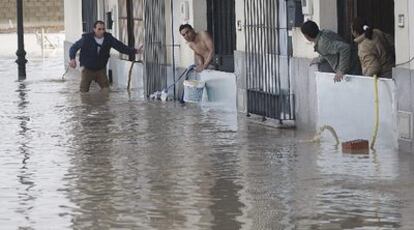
x: 199, y: 47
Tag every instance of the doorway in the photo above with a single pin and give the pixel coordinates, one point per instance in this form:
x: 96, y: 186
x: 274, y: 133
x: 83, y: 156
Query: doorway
x: 379, y: 13
x: 221, y: 25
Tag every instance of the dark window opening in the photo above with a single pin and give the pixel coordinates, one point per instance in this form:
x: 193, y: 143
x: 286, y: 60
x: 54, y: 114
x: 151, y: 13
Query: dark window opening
x: 379, y: 13
x: 221, y: 25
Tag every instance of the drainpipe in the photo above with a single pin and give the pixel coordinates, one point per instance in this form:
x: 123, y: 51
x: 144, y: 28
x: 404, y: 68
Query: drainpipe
x: 173, y: 43
x: 21, y: 53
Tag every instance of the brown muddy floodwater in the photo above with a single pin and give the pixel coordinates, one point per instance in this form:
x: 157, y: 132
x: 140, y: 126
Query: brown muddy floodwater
x: 72, y: 161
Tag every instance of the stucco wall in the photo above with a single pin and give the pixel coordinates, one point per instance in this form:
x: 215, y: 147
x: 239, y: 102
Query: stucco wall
x: 240, y: 73
x: 73, y: 19
x: 404, y: 81
x: 304, y: 88
x: 240, y: 40
x: 404, y: 74
x: 404, y: 34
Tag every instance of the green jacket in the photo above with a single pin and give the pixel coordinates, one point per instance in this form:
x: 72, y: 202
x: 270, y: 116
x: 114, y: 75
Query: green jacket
x: 333, y: 49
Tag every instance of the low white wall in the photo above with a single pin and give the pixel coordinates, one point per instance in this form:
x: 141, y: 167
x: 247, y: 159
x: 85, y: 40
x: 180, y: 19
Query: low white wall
x: 348, y: 106
x: 221, y: 88
x: 120, y: 72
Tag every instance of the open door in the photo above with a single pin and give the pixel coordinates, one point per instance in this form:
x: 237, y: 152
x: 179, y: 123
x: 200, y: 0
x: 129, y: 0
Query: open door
x: 221, y: 25
x: 379, y: 13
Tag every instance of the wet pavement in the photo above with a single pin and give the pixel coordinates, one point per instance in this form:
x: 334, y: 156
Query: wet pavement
x: 90, y: 161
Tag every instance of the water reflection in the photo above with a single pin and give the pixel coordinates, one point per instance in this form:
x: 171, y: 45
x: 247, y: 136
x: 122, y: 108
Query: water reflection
x: 351, y: 195
x: 226, y: 204
x: 91, y: 177
x: 25, y: 173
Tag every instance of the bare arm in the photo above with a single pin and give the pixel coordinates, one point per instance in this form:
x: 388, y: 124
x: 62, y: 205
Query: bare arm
x: 210, y: 46
x: 199, y: 59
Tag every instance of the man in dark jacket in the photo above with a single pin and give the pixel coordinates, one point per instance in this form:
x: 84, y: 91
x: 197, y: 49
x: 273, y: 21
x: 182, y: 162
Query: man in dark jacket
x: 333, y: 49
x: 94, y: 54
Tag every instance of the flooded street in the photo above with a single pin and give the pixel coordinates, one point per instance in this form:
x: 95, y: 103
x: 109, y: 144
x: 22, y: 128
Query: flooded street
x: 90, y: 161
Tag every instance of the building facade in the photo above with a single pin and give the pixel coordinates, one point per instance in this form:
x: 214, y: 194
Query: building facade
x: 259, y: 44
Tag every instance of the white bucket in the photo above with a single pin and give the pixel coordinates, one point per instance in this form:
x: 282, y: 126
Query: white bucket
x: 193, y: 90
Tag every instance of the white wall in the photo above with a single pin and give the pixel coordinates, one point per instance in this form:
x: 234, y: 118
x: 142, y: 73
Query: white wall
x: 240, y: 39
x: 221, y: 88
x: 348, y: 106
x: 410, y: 25
x: 402, y: 34
x: 73, y: 20
x: 120, y: 70
x: 325, y: 14
x: 302, y: 47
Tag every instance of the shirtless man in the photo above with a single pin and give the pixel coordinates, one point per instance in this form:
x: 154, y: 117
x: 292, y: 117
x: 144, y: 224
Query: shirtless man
x: 202, y: 45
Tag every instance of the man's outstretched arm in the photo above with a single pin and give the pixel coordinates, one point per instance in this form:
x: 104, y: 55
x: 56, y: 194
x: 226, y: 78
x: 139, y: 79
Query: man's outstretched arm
x: 121, y: 47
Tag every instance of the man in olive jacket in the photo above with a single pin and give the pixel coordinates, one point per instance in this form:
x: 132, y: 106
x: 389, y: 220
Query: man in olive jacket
x: 332, y: 49
x: 94, y: 54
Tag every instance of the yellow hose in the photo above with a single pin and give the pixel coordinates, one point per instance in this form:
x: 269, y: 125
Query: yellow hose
x: 317, y: 137
x: 376, y: 105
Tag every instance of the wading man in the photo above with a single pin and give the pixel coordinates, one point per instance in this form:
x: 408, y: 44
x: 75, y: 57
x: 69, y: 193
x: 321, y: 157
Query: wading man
x: 94, y: 54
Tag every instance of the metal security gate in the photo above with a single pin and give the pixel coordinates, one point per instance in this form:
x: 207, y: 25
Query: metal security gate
x: 155, y: 47
x: 267, y: 59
